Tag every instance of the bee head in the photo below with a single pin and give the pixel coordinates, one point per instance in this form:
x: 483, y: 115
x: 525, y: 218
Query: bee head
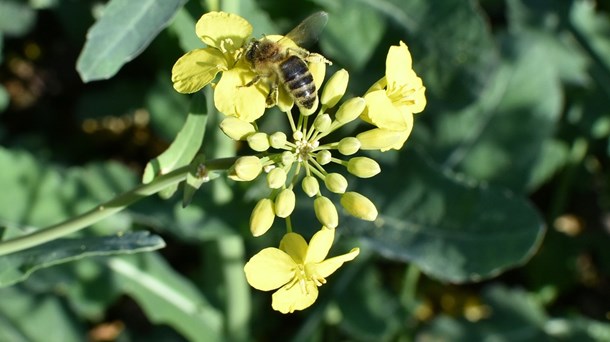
x: 251, y: 50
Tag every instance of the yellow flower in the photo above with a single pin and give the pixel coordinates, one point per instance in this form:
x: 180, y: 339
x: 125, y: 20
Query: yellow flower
x: 296, y: 269
x: 392, y: 101
x: 226, y: 36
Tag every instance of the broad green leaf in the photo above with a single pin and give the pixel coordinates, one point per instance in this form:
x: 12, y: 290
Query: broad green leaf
x: 30, y: 316
x: 16, y: 18
x: 18, y: 266
x: 591, y: 29
x: 184, y: 148
x: 166, y: 297
x: 376, y: 316
x: 183, y: 26
x: 357, y: 21
x: 452, y: 230
x: 36, y: 194
x: 121, y: 34
x: 501, y: 138
x: 547, y: 23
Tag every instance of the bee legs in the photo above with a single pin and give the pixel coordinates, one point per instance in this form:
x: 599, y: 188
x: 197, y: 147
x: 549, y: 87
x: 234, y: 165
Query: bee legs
x: 272, y: 97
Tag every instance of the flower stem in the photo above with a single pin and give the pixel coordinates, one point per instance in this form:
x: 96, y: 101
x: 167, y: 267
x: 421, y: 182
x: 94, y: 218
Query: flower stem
x: 104, y: 210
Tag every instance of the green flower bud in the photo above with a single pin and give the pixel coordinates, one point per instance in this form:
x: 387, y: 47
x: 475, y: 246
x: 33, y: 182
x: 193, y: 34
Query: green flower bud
x: 276, y: 178
x: 284, y: 203
x: 335, y: 182
x: 350, y: 110
x: 258, y: 141
x: 335, y: 88
x: 277, y: 140
x: 323, y: 157
x: 348, y: 146
x: 310, y: 186
x: 326, y: 212
x: 322, y: 123
x: 359, y: 206
x: 245, y: 169
x: 262, y: 217
x: 236, y: 129
x: 363, y: 167
x: 287, y: 158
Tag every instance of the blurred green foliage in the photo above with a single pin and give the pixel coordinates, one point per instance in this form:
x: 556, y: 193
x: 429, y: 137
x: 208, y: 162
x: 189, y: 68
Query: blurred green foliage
x: 494, y: 221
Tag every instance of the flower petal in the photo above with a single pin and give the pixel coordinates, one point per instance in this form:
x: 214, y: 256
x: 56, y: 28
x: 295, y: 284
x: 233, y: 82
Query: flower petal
x: 295, y: 246
x: 329, y: 266
x: 269, y: 269
x: 293, y: 297
x: 382, y: 139
x: 219, y: 28
x: 398, y: 64
x: 382, y: 113
x: 319, y: 245
x: 232, y: 98
x: 196, y: 69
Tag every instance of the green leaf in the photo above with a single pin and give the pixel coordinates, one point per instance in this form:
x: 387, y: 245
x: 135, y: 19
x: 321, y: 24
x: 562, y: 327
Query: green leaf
x: 18, y: 266
x: 183, y: 26
x: 501, y: 138
x: 16, y: 18
x: 30, y: 316
x: 184, y: 148
x: 376, y: 315
x: 452, y: 230
x: 166, y: 297
x: 591, y: 28
x: 354, y: 20
x: 36, y: 194
x: 122, y: 33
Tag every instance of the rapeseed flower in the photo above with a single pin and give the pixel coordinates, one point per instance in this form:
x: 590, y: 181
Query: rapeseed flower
x: 296, y: 269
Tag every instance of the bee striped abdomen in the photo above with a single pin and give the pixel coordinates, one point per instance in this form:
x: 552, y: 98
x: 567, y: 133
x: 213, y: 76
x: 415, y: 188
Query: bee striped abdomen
x: 299, y: 82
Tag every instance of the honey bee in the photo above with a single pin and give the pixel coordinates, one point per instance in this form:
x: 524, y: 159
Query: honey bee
x: 279, y: 63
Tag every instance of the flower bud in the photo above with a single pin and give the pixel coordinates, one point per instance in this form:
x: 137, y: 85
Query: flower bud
x: 326, y: 212
x: 236, y: 129
x: 335, y: 88
x: 323, y: 157
x: 363, y: 167
x: 258, y: 141
x: 284, y: 203
x: 310, y: 186
x: 287, y: 158
x: 380, y: 139
x: 262, y: 217
x: 276, y: 178
x: 335, y: 182
x: 245, y: 169
x: 322, y: 123
x: 277, y: 140
x: 350, y: 110
x: 348, y: 146
x: 359, y: 206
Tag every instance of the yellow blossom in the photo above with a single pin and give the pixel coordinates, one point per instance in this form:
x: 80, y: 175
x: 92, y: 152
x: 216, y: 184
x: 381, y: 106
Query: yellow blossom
x: 392, y: 101
x: 226, y: 36
x: 296, y: 269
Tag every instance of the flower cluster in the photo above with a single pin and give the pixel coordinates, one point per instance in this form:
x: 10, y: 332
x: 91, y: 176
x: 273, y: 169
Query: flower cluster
x: 300, y: 158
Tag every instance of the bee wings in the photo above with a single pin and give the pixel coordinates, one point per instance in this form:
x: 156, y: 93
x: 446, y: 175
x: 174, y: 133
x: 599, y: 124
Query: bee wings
x: 308, y: 31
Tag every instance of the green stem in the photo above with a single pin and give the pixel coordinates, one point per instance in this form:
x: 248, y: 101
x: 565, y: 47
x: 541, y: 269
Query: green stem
x: 104, y: 210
